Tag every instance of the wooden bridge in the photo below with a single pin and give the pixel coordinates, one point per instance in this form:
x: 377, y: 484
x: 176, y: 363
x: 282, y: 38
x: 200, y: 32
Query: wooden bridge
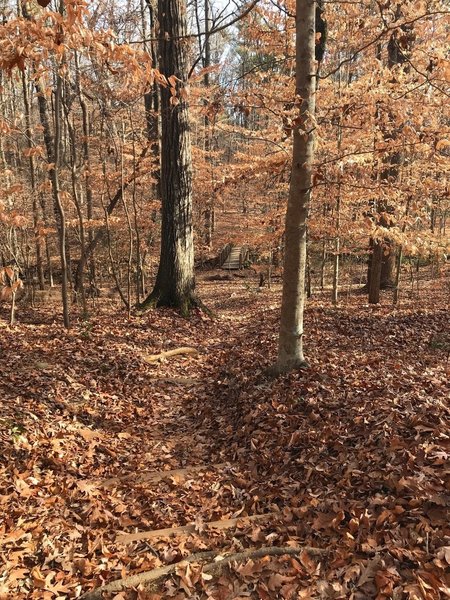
x: 233, y: 257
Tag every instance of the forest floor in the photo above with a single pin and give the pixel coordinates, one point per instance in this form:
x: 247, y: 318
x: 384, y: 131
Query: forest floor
x: 347, y: 459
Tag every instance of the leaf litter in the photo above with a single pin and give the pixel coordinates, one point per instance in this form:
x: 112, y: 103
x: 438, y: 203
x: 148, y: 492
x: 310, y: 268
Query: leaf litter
x: 350, y: 456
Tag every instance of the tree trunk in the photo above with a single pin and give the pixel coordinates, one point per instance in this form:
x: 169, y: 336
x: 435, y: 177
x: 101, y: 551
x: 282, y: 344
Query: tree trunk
x: 52, y: 141
x: 375, y: 272
x: 399, y: 48
x: 77, y: 200
x: 290, y: 346
x: 34, y: 191
x: 175, y: 282
x: 151, y: 100
x: 387, y: 279
x: 87, y: 164
x: 337, y: 249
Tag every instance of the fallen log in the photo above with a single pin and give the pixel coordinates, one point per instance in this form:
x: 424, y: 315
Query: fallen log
x: 151, y: 579
x: 217, y: 525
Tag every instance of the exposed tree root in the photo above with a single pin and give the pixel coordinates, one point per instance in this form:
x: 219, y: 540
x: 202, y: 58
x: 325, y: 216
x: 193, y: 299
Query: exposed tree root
x: 216, y: 525
x: 156, y: 476
x: 216, y: 567
x: 184, y: 305
x: 147, y: 578
x: 151, y: 579
x: 152, y: 358
x: 177, y: 380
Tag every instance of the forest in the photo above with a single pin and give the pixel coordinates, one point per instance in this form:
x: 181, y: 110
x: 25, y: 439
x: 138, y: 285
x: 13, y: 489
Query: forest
x: 224, y: 299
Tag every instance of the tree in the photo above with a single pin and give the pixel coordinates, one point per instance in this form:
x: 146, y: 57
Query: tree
x: 175, y: 281
x: 52, y: 140
x: 290, y: 344
x: 382, y: 259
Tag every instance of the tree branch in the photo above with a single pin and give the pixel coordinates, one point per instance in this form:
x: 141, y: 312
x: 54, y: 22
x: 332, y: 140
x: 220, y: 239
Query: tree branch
x: 378, y: 38
x: 238, y: 17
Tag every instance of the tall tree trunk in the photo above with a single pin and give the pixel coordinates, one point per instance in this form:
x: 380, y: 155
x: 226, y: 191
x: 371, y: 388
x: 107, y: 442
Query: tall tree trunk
x: 151, y: 99
x: 52, y: 141
x: 175, y: 282
x: 53, y: 157
x: 34, y: 191
x: 337, y: 248
x: 87, y: 166
x: 290, y: 345
x: 337, y: 239
x: 77, y: 200
x: 209, y: 210
x: 375, y: 272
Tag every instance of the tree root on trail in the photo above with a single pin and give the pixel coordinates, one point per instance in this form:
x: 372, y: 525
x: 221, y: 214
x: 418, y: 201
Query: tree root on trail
x: 144, y: 578
x: 151, y: 579
x: 212, y: 525
x: 216, y: 567
x: 176, y: 380
x: 156, y: 476
x: 184, y: 306
x: 152, y: 358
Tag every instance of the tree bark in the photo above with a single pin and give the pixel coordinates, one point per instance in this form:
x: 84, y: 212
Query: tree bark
x: 175, y: 282
x: 290, y: 345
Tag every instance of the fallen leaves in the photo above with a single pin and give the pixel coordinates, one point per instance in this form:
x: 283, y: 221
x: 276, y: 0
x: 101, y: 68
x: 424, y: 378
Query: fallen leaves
x: 349, y: 456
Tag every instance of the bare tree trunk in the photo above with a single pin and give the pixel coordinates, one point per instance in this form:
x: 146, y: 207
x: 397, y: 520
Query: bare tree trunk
x: 323, y: 260
x: 337, y: 240
x: 139, y: 259
x: 151, y: 99
x: 76, y: 196
x: 398, y: 269
x: 290, y: 345
x: 87, y: 161
x: 337, y: 249
x: 129, y: 226
x: 53, y: 146
x: 61, y: 221
x: 34, y: 191
x: 209, y: 211
x: 174, y: 285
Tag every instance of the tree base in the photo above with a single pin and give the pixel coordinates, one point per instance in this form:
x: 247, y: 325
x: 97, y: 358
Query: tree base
x: 278, y: 369
x: 184, y: 305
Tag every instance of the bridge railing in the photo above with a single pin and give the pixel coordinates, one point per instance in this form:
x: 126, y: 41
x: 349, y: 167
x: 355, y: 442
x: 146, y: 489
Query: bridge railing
x: 224, y: 254
x: 244, y: 256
